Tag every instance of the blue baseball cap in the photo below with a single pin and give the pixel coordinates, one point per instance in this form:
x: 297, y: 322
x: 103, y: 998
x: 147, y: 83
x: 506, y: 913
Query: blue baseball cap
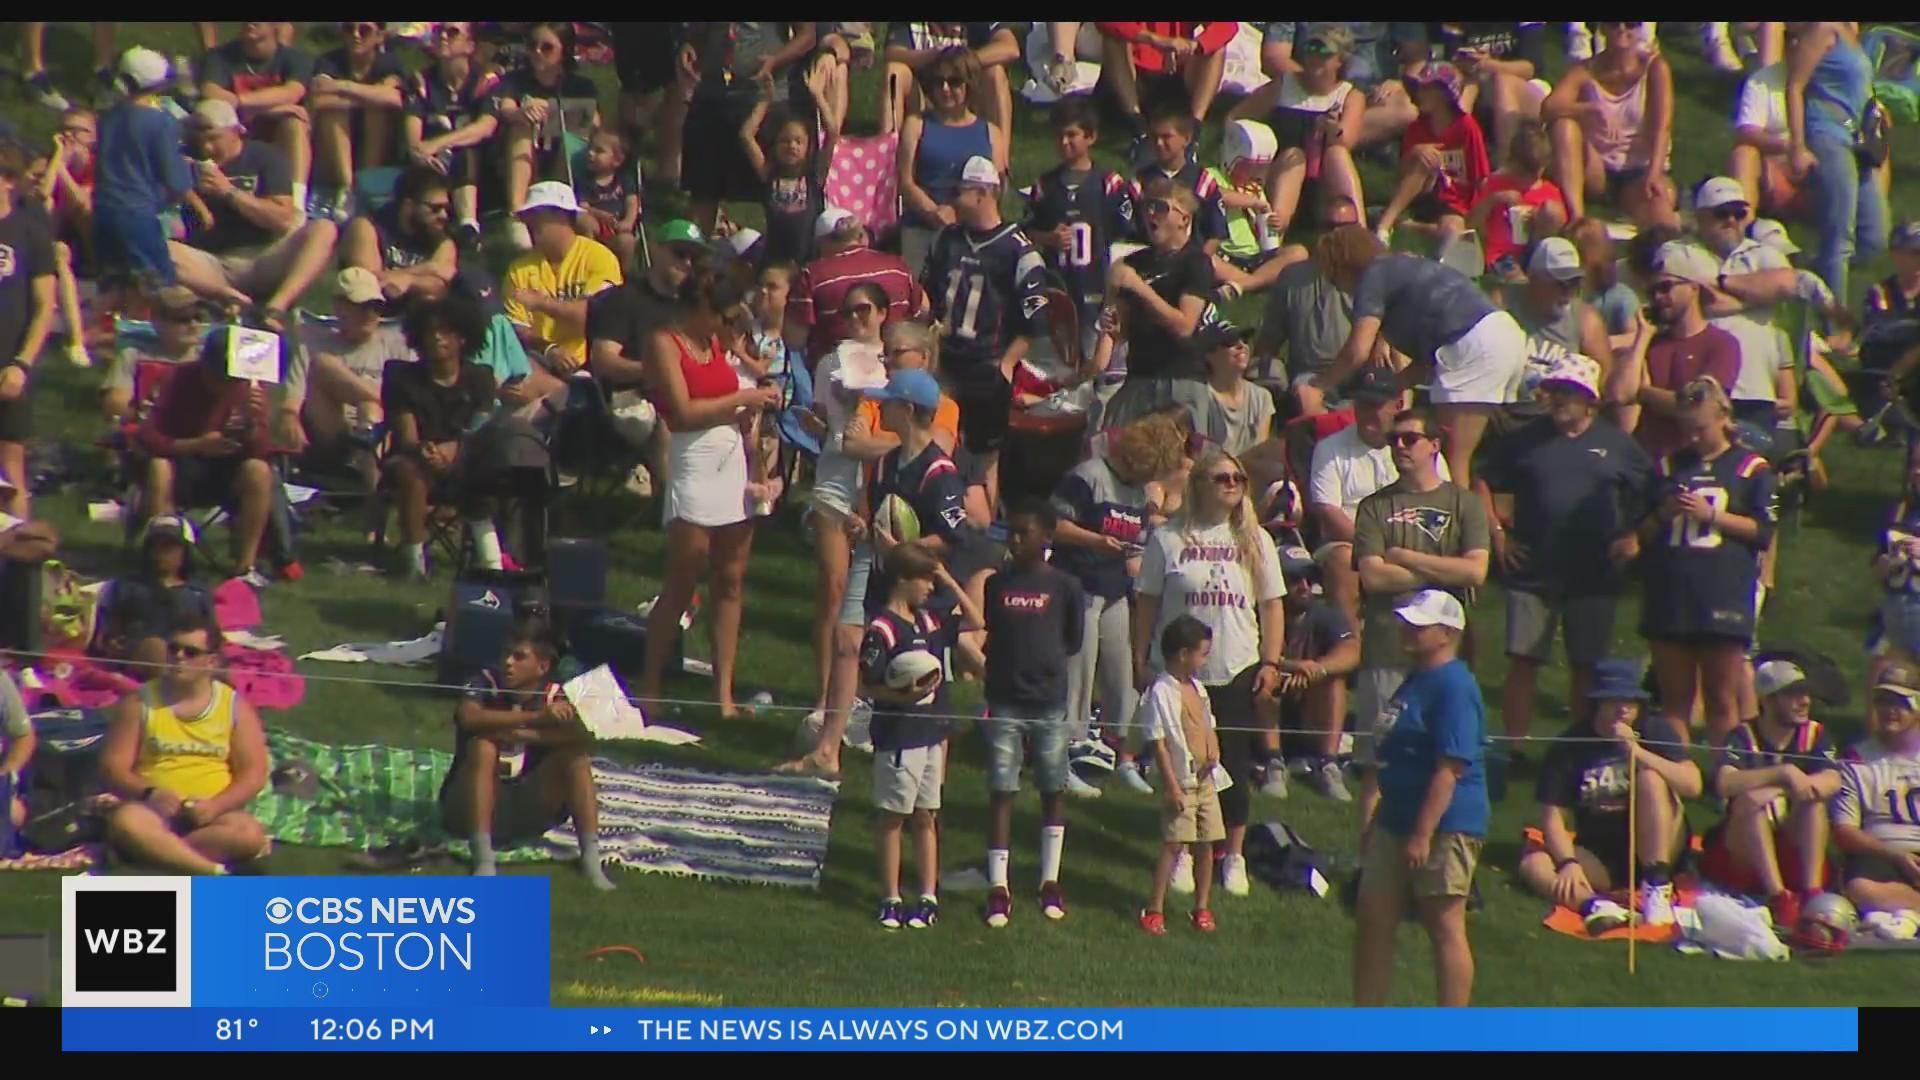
x: 1616, y: 680
x: 916, y: 388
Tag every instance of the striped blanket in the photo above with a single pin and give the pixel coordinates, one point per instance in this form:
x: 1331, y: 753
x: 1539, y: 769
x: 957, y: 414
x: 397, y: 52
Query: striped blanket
x: 761, y: 828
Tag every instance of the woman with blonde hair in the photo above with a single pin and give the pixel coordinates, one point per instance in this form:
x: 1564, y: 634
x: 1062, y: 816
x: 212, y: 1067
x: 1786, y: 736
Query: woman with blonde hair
x: 1105, y: 509
x: 1714, y: 512
x: 1214, y: 562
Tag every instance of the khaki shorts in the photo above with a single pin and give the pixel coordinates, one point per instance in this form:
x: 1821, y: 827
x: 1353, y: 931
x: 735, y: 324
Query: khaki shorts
x: 910, y: 779
x: 1448, y: 870
x: 1373, y: 689
x: 254, y: 271
x: 1198, y: 819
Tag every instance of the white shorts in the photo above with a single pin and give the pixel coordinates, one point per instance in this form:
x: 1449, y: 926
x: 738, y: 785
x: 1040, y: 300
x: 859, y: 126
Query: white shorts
x: 1484, y: 367
x: 909, y: 780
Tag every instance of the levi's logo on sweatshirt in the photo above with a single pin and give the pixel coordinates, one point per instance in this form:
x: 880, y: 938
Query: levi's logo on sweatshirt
x: 1032, y: 602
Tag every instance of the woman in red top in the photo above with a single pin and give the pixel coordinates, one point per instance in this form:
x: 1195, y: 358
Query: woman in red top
x: 1519, y: 205
x: 1443, y: 157
x: 709, y: 533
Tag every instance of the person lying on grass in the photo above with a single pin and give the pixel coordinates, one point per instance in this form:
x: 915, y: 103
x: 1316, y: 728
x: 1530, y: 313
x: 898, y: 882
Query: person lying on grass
x: 186, y: 754
x: 522, y: 760
x: 1586, y: 773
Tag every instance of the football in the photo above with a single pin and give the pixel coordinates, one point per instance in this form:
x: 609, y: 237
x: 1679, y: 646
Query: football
x: 897, y: 519
x: 915, y: 670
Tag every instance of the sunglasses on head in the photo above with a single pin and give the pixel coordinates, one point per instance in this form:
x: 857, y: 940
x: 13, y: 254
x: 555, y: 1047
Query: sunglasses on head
x: 1409, y: 438
x: 1229, y: 479
x: 187, y: 652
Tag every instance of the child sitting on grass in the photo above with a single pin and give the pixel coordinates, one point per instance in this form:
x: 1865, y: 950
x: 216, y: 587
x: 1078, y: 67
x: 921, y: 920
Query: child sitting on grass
x: 1251, y: 257
x: 609, y: 196
x: 1443, y: 158
x: 1178, y: 724
x: 1519, y: 205
x: 909, y: 729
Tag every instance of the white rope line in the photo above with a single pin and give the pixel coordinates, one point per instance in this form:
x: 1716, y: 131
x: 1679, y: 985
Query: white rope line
x: 644, y: 702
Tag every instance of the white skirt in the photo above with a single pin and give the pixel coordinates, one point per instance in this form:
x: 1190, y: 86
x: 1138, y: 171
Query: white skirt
x: 707, y: 477
x: 1486, y: 366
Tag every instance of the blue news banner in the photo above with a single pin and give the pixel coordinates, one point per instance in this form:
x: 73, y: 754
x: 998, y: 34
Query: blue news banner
x: 424, y: 963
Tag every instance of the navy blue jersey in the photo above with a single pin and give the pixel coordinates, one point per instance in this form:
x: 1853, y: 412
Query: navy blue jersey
x: 1700, y: 580
x: 1098, y: 207
x: 903, y: 727
x: 487, y: 690
x: 1589, y: 776
x: 1905, y: 525
x: 933, y: 486
x: 988, y: 288
x: 444, y: 108
x: 1211, y: 222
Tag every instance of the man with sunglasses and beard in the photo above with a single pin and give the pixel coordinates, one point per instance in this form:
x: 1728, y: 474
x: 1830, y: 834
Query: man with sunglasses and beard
x: 448, y: 120
x: 1419, y: 532
x: 186, y: 754
x: 1686, y: 347
x: 405, y: 244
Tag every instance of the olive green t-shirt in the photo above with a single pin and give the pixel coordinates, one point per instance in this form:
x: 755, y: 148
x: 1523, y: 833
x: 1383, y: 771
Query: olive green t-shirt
x: 1447, y: 521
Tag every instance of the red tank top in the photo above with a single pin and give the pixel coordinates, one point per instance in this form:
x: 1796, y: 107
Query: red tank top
x: 711, y: 377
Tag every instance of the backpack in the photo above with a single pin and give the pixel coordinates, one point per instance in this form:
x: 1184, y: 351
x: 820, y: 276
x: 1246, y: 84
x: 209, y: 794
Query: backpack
x: 1277, y: 855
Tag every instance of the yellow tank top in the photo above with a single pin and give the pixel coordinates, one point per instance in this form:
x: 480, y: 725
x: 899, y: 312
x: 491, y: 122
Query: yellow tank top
x: 187, y: 755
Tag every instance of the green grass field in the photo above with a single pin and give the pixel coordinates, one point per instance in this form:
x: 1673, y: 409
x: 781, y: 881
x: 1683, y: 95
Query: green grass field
x: 709, y: 943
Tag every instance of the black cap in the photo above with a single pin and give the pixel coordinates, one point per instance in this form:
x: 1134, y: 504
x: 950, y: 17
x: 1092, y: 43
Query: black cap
x: 1373, y: 385
x: 481, y: 287
x: 1222, y: 334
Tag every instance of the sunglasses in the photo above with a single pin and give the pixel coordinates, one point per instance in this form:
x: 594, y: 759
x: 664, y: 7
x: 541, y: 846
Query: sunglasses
x: 438, y: 209
x: 861, y: 311
x: 187, y: 652
x: 360, y: 29
x: 1409, y: 438
x: 453, y: 32
x: 950, y: 82
x: 547, y: 48
x: 1730, y: 212
x: 1229, y: 479
x: 1162, y: 207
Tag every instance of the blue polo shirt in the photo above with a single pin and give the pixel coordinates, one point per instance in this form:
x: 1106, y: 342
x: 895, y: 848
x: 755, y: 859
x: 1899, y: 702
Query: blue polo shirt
x: 1437, y: 714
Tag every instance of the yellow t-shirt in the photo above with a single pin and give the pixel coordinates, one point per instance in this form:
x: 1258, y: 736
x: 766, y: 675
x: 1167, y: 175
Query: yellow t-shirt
x: 588, y: 268
x: 191, y: 756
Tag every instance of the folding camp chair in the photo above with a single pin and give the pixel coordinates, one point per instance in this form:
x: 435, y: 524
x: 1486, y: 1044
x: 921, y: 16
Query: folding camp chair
x: 863, y: 177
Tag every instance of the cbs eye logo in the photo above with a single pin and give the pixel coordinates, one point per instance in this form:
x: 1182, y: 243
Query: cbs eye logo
x: 279, y: 911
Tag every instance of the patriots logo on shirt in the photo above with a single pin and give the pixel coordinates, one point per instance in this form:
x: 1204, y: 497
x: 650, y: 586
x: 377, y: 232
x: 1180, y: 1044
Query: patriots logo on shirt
x: 1032, y: 306
x: 1431, y: 521
x: 954, y: 516
x: 1597, y: 451
x: 7, y: 261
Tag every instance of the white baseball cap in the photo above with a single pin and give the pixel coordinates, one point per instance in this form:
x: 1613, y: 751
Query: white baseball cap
x: 215, y: 115
x: 1775, y: 676
x: 144, y: 69
x: 1581, y: 371
x: 1774, y: 235
x: 1431, y: 607
x: 1720, y: 191
x: 980, y: 172
x: 832, y: 220
x: 1248, y: 140
x: 550, y: 195
x: 1688, y: 262
x: 1557, y: 258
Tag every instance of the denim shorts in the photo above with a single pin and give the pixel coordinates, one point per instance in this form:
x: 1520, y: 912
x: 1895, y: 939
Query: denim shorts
x: 853, y: 603
x: 1007, y: 729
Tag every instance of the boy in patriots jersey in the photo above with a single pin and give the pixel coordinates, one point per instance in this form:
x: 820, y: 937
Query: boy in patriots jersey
x: 985, y: 281
x: 1876, y: 813
x: 922, y: 474
x: 1173, y: 130
x: 1076, y: 211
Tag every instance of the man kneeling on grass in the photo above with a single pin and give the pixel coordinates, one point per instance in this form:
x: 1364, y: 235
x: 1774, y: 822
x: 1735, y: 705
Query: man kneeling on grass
x: 1588, y: 776
x: 522, y: 760
x: 186, y: 754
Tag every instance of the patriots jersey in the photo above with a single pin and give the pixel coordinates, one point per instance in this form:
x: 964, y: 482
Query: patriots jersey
x: 933, y: 486
x: 902, y: 727
x: 988, y: 288
x: 1700, y: 579
x: 1904, y: 580
x: 1880, y: 795
x: 1211, y: 222
x: 1099, y: 210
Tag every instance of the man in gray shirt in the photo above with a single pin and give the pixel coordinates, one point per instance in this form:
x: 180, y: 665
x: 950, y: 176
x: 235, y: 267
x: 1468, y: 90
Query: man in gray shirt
x: 1305, y: 322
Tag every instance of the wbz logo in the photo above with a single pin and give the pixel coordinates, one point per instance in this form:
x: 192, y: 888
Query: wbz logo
x: 125, y: 941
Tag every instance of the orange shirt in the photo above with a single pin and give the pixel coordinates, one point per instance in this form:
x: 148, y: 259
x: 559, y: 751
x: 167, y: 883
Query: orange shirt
x: 945, y: 418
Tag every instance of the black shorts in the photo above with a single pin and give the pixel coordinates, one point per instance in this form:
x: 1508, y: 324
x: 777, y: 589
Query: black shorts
x: 1233, y: 716
x: 16, y: 417
x: 713, y: 164
x: 1609, y: 845
x: 202, y: 481
x: 1684, y: 614
x: 643, y: 55
x: 986, y: 400
x: 1427, y: 209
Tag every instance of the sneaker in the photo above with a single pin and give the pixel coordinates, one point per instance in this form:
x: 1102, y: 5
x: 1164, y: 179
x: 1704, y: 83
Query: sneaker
x: 466, y: 236
x: 1061, y: 73
x: 40, y: 84
x: 1579, y: 42
x: 1153, y: 923
x: 999, y: 907
x: 1092, y: 753
x: 1182, y: 881
x: 640, y: 482
x: 1717, y: 46
x: 1275, y: 784
x: 1131, y: 776
x: 1893, y: 925
x: 1053, y: 903
x: 1656, y: 903
x: 1785, y: 908
x: 1233, y: 875
x: 1079, y: 788
x: 1385, y: 233
x: 252, y: 576
x: 1603, y: 915
x: 892, y: 914
x: 1203, y: 921
x: 926, y: 912
x: 1331, y: 780
x: 77, y: 355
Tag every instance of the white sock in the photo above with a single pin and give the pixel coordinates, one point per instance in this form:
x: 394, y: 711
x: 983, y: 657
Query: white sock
x: 486, y: 543
x: 1053, y: 841
x: 416, y: 556
x: 999, y: 861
